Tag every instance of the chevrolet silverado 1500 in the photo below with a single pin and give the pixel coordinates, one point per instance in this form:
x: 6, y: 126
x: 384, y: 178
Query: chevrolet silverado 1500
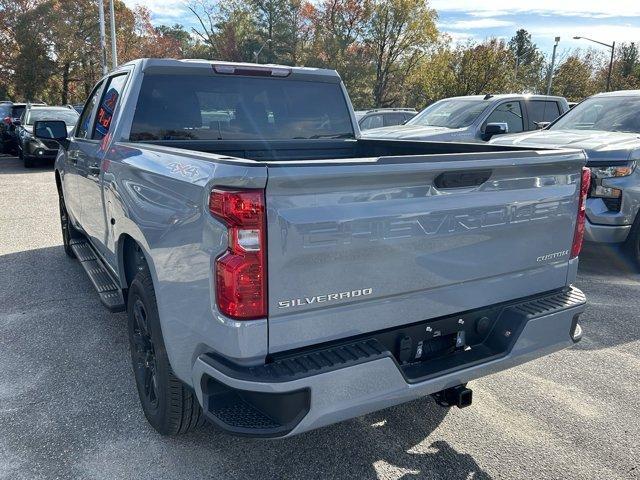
x: 280, y: 273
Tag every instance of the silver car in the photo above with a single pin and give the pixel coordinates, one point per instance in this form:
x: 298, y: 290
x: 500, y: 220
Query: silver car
x: 476, y: 118
x: 383, y: 117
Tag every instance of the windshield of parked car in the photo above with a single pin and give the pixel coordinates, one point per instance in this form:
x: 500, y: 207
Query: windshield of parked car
x: 67, y: 115
x: 453, y: 113
x: 197, y: 107
x: 611, y: 114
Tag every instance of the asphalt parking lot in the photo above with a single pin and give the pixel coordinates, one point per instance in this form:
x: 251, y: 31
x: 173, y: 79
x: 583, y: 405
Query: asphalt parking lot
x: 69, y: 409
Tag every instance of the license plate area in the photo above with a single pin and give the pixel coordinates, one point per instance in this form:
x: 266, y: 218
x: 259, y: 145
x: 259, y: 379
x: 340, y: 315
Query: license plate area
x: 435, y: 347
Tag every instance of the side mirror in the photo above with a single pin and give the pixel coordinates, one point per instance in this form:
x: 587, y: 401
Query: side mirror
x: 50, y: 130
x: 498, y: 128
x: 542, y: 125
x: 17, y: 122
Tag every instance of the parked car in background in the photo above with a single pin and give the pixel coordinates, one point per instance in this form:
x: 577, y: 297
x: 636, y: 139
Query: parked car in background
x: 10, y: 114
x: 607, y: 127
x: 32, y: 149
x: 384, y: 117
x: 476, y: 118
x: 78, y: 107
x: 280, y: 273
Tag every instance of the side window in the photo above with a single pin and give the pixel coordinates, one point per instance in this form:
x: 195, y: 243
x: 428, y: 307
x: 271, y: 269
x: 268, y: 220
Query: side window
x: 83, y: 122
x: 16, y: 112
x: 509, y: 113
x: 373, y: 121
x: 542, y: 111
x: 110, y: 98
x: 393, y: 119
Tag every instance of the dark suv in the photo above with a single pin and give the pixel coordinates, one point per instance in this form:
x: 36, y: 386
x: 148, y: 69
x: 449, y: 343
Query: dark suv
x: 31, y: 149
x: 10, y: 114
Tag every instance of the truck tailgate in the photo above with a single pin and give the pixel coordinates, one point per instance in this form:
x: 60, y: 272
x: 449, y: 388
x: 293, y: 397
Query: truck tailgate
x: 367, y: 244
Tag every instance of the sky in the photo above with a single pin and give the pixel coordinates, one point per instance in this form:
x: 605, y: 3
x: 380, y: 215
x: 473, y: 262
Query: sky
x: 602, y: 20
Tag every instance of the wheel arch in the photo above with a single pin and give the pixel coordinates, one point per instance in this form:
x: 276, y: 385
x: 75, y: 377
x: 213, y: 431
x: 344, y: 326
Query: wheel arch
x: 132, y: 256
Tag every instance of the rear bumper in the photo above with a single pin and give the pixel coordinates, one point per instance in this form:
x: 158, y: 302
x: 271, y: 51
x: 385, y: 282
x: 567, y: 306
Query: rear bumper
x: 606, y: 233
x: 300, y: 393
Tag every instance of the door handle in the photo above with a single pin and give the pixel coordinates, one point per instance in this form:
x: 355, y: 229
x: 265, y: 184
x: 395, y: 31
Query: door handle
x: 73, y: 156
x: 462, y: 179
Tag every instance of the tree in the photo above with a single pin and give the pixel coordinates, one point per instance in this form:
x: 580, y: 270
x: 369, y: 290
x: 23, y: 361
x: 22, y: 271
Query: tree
x: 158, y: 42
x: 574, y: 77
x: 15, y: 27
x: 336, y: 40
x: 236, y: 30
x: 626, y: 68
x: 482, y: 68
x: 32, y: 66
x: 400, y: 33
x: 277, y: 25
x: 528, y: 61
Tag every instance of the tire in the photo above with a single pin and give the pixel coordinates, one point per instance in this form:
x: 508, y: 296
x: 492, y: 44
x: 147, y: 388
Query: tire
x: 168, y: 404
x: 68, y: 231
x: 632, y: 244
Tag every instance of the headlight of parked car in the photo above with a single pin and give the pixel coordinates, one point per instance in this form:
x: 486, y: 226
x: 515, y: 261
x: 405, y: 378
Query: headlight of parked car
x: 610, y: 172
x: 600, y: 173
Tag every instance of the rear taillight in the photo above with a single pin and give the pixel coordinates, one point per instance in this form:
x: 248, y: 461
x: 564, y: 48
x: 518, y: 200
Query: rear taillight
x: 240, y: 272
x: 578, y: 235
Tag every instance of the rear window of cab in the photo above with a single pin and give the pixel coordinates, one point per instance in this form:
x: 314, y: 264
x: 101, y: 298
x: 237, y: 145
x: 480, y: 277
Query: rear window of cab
x: 196, y: 107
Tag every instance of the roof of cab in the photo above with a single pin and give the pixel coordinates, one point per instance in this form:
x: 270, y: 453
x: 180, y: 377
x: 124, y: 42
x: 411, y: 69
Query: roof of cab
x: 157, y: 64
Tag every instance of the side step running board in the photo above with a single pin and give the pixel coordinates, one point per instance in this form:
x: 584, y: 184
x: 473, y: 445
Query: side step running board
x: 110, y: 295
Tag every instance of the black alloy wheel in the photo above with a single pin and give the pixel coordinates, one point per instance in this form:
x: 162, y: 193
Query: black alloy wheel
x: 145, y: 365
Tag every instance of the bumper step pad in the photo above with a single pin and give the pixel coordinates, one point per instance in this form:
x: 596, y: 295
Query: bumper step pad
x: 304, y: 364
x: 107, y: 288
x: 552, y: 303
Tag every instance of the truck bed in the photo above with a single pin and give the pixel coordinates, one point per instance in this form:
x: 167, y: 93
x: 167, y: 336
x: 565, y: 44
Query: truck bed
x: 326, y: 149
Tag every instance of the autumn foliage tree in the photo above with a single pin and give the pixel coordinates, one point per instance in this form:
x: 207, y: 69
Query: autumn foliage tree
x: 388, y: 52
x: 52, y: 49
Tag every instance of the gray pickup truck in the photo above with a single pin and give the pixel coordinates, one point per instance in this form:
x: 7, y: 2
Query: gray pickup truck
x: 476, y: 118
x: 607, y: 127
x: 281, y: 274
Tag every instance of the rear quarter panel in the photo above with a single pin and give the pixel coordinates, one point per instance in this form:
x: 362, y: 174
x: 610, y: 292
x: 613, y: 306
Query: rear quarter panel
x: 159, y: 197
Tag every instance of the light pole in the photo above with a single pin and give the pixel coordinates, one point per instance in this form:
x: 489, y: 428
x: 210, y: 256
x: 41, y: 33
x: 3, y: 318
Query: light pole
x: 114, y: 51
x: 103, y: 47
x: 553, y: 64
x: 612, y: 47
x: 257, y: 54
